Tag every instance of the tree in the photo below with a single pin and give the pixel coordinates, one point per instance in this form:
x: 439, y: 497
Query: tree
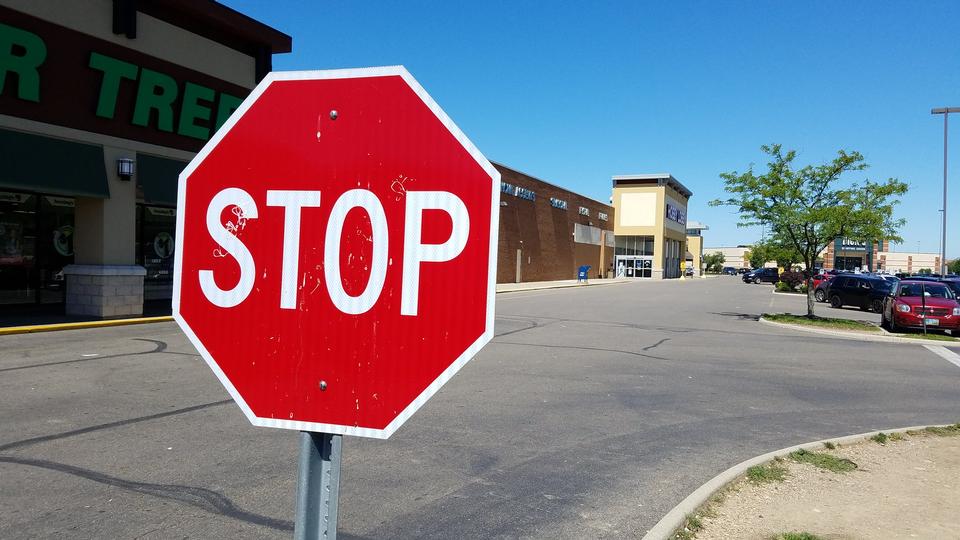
x: 810, y: 207
x: 713, y: 262
x: 954, y: 266
x: 775, y: 249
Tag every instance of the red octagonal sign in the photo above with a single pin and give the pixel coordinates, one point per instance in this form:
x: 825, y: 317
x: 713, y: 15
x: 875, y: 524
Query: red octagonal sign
x: 337, y: 251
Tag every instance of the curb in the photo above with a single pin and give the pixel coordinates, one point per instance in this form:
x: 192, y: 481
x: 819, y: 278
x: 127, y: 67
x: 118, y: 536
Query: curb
x: 665, y: 528
x: 858, y: 336
x: 569, y: 286
x: 80, y: 325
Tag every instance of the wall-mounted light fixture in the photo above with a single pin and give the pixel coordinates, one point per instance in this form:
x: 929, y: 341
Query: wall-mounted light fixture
x: 125, y: 168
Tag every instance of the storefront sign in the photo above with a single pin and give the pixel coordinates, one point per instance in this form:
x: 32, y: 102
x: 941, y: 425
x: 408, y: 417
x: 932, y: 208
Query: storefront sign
x: 676, y: 214
x: 848, y: 244
x: 517, y: 191
x: 602, y: 216
x: 584, y: 211
x: 56, y: 75
x: 558, y: 203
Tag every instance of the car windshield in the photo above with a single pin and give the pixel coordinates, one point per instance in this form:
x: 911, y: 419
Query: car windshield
x: 932, y: 290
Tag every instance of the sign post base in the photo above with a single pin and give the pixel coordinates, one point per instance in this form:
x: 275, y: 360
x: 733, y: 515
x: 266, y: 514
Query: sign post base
x: 318, y: 486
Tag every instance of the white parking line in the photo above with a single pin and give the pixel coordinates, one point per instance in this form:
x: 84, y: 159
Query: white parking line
x: 944, y: 353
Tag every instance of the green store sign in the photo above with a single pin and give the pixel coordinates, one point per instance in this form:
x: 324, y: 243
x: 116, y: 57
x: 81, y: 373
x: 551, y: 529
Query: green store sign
x: 57, y: 75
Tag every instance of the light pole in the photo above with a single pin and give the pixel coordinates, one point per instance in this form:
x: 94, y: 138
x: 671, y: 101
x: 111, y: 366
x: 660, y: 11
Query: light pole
x: 945, y: 111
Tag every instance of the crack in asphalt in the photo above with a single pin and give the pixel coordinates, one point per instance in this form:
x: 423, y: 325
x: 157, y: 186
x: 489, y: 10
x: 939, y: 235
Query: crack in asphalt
x: 109, y: 425
x: 202, y: 498
x: 657, y: 344
x: 634, y: 353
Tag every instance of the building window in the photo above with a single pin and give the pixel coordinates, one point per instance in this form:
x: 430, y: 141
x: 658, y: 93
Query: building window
x: 36, y: 242
x: 634, y: 245
x: 156, y: 230
x: 586, y: 234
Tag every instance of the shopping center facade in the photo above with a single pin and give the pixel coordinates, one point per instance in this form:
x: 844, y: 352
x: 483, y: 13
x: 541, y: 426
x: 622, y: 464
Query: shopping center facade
x: 104, y: 102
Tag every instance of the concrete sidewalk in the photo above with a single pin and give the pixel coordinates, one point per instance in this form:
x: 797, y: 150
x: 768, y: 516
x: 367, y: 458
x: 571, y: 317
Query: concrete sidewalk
x: 559, y: 284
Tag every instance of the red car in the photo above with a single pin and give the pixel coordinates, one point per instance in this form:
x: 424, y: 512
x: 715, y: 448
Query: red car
x: 912, y: 304
x: 820, y: 283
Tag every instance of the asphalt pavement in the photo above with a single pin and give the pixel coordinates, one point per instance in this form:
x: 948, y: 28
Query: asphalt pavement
x: 592, y: 413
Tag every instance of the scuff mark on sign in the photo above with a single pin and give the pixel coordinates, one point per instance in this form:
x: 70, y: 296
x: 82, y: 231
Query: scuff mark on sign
x: 397, y: 186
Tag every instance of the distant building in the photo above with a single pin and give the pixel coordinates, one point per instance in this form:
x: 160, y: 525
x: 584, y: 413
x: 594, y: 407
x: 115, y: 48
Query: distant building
x: 651, y: 225
x: 735, y: 256
x: 548, y: 232
x: 694, y: 258
x: 847, y: 254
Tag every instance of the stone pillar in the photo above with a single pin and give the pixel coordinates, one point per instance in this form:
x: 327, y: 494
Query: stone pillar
x: 105, y: 281
x: 104, y: 291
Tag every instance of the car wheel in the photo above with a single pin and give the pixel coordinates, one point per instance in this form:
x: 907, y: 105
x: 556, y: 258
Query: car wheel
x: 820, y: 295
x: 756, y: 280
x: 876, y: 306
x: 884, y: 323
x: 835, y: 301
x: 892, y: 324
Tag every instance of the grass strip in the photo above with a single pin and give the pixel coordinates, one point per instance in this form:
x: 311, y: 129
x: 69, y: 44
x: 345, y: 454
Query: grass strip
x: 823, y: 461
x: 821, y: 322
x: 795, y: 536
x: 931, y: 337
x: 948, y: 431
x: 762, y: 474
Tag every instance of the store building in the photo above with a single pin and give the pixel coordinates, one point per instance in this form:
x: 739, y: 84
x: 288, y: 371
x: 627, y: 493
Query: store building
x: 694, y: 258
x: 102, y: 104
x: 907, y: 263
x: 651, y: 225
x: 848, y: 254
x: 547, y: 232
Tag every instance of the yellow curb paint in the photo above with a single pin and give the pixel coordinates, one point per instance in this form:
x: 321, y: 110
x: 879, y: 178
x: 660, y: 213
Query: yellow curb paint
x: 80, y: 325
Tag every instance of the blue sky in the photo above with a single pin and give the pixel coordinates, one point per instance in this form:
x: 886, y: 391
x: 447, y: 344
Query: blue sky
x: 574, y: 93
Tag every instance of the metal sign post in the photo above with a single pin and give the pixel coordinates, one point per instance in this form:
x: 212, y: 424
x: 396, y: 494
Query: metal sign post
x: 318, y: 486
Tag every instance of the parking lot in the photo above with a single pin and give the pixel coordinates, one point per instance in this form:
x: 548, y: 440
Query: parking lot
x: 591, y: 414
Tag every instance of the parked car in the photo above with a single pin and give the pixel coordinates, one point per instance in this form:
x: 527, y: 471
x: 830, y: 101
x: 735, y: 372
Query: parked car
x: 760, y: 275
x: 951, y: 281
x: 729, y: 271
x: 915, y: 303
x: 865, y: 292
x: 743, y: 270
x: 688, y: 272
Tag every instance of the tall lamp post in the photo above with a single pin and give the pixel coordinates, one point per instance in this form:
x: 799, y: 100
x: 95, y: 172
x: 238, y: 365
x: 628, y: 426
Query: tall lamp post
x: 945, y: 111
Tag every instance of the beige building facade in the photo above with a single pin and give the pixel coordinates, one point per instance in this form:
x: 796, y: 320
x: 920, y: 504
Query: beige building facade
x: 650, y: 226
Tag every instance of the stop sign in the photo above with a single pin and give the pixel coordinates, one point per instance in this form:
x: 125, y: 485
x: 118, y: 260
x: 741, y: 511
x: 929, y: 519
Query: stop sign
x: 337, y: 251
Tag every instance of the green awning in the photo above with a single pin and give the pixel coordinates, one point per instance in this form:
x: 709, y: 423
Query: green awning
x: 36, y: 163
x: 158, y: 179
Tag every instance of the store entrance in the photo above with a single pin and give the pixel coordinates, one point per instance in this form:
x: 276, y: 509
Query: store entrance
x: 634, y: 266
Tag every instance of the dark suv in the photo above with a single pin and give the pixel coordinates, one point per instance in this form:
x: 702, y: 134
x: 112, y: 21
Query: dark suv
x: 770, y: 275
x: 867, y: 293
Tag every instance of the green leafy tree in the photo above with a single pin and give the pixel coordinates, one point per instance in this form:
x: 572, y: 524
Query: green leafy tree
x: 925, y: 271
x: 713, y: 262
x: 776, y: 249
x: 812, y: 206
x: 954, y: 266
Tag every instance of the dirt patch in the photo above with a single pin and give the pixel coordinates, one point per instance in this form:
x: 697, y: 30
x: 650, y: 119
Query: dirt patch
x: 908, y: 488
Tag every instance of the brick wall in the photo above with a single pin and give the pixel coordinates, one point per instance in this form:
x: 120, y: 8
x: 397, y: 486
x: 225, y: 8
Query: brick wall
x: 544, y: 234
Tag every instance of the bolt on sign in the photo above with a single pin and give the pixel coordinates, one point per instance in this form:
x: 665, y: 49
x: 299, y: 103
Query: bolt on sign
x: 337, y: 251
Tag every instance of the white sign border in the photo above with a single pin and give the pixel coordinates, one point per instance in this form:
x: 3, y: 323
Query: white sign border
x: 447, y: 374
